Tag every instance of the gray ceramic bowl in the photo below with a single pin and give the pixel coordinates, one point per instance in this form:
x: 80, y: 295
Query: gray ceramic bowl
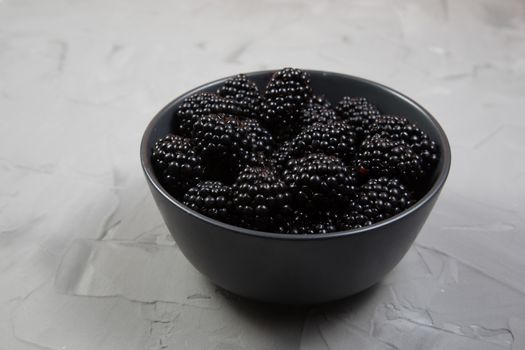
x: 298, y: 269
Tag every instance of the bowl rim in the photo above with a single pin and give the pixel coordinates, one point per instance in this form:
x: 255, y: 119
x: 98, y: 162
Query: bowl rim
x: 433, y: 191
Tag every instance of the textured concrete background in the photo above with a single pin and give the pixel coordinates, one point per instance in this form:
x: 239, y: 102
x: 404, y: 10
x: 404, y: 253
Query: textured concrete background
x: 85, y: 260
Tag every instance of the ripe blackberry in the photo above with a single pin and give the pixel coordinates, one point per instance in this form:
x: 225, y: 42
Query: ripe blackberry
x: 255, y: 137
x: 309, y: 223
x: 377, y: 200
x: 318, y: 110
x: 319, y: 181
x: 358, y: 112
x: 286, y: 95
x: 219, y: 141
x: 399, y: 128
x: 379, y: 155
x: 243, y: 91
x: 282, y: 155
x: 260, y: 199
x: 333, y: 138
x: 176, y: 163
x: 196, y: 106
x: 210, y: 198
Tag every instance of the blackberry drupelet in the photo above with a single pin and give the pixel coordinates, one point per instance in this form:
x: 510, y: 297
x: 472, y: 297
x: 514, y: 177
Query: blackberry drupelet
x: 377, y: 200
x: 219, y: 141
x: 286, y: 95
x: 399, y: 128
x: 318, y: 110
x: 333, y: 138
x: 210, y: 198
x: 379, y: 155
x: 176, y: 163
x: 358, y: 112
x: 196, y: 106
x: 261, y: 200
x: 255, y: 137
x: 319, y: 181
x: 309, y: 223
x: 243, y: 91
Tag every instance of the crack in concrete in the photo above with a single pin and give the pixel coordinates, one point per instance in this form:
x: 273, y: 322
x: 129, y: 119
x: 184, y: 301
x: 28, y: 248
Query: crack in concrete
x: 234, y: 55
x: 435, y: 250
x: 63, y: 49
x: 489, y: 137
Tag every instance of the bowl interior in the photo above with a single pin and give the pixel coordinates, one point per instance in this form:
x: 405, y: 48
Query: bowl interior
x: 333, y: 86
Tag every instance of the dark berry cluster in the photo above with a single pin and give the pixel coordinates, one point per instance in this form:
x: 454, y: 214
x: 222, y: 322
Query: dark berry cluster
x: 283, y: 159
x: 381, y: 155
x: 377, y: 200
x: 358, y: 112
x: 331, y: 138
x: 210, y: 198
x: 400, y: 129
x: 177, y: 163
x: 203, y: 104
x: 318, y: 110
x: 285, y: 97
x: 303, y: 222
x: 319, y: 181
x: 261, y: 200
x: 244, y: 93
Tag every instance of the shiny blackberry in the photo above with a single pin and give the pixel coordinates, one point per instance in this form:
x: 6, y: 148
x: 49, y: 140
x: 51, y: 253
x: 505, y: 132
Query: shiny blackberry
x: 377, y: 200
x: 176, y: 163
x: 220, y: 142
x: 302, y: 222
x: 260, y: 199
x: 333, y: 138
x: 210, y: 198
x: 399, y: 128
x: 380, y: 155
x: 318, y: 110
x: 244, y: 92
x: 255, y: 137
x: 358, y: 112
x: 202, y: 104
x: 319, y: 181
x: 281, y: 155
x: 286, y: 95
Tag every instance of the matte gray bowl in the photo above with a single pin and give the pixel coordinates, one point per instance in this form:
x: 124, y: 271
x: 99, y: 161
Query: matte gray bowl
x: 298, y: 269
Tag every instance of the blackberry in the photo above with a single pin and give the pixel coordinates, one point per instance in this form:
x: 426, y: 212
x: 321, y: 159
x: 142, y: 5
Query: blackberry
x: 309, y: 223
x: 399, y: 128
x: 377, y: 200
x: 255, y: 137
x: 318, y: 110
x: 165, y: 148
x: 358, y: 112
x: 176, y: 163
x: 333, y: 138
x: 260, y: 199
x: 244, y: 92
x: 380, y: 155
x: 210, y: 198
x: 282, y: 155
x: 286, y: 95
x: 196, y: 106
x: 219, y: 141
x: 319, y: 181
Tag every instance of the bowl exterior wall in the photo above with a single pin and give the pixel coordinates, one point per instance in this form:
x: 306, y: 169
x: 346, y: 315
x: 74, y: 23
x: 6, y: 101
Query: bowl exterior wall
x: 291, y: 271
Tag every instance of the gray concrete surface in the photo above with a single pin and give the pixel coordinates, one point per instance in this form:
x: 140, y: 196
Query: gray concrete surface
x: 85, y: 260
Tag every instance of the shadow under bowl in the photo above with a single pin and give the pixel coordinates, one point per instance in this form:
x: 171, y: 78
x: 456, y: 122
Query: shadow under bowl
x: 298, y: 269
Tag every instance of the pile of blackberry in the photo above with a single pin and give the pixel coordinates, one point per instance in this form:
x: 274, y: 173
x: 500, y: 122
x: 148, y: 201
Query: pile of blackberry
x: 289, y: 161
